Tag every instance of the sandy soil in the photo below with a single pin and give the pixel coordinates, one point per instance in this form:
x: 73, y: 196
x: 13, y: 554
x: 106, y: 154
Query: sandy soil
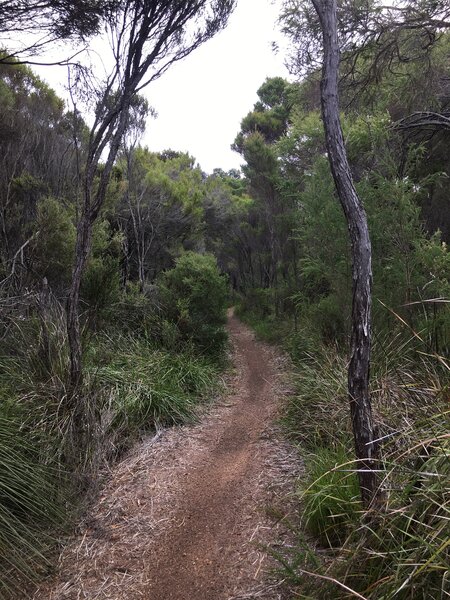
x: 185, y: 516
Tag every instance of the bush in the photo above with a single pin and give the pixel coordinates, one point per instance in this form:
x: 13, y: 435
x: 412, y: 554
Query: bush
x: 194, y: 296
x: 258, y: 302
x: 100, y: 286
x: 52, y: 248
x: 329, y: 316
x: 134, y: 313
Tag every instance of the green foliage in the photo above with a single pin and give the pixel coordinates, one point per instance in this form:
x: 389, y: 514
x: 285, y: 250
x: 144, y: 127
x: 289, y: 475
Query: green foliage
x: 261, y: 167
x: 258, y: 302
x: 394, y: 221
x: 275, y: 92
x: 267, y: 328
x: 148, y: 387
x: 101, y: 281
x: 132, y: 385
x: 178, y: 179
x: 54, y: 242
x: 34, y: 349
x: 194, y: 297
x: 270, y: 114
x: 407, y: 552
x: 31, y: 503
x: 329, y: 315
x: 33, y: 486
x: 35, y: 138
x: 402, y: 548
x: 317, y: 413
x: 292, y: 170
x: 331, y: 498
x: 279, y: 233
x: 133, y: 313
x: 161, y: 210
x: 366, y: 138
x: 315, y: 279
x: 434, y: 322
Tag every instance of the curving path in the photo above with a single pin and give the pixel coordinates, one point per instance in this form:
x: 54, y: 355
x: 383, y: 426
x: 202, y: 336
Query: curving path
x: 183, y: 517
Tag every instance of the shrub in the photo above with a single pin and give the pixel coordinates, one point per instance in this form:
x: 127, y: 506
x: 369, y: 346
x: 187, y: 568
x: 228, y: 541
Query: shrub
x: 258, y: 302
x: 52, y: 248
x: 194, y: 296
x: 133, y: 313
x: 100, y: 287
x: 329, y: 316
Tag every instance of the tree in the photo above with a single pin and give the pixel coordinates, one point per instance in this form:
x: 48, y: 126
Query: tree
x: 37, y: 160
x: 41, y: 23
x: 147, y: 36
x: 376, y: 39
x: 386, y: 47
x: 226, y: 210
x: 358, y: 371
x: 256, y: 141
x: 161, y: 211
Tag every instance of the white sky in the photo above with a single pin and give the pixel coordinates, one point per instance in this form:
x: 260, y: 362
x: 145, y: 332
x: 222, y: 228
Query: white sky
x: 201, y: 100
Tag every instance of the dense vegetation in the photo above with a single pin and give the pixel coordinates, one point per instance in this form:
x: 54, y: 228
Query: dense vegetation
x: 150, y: 301
x: 168, y: 242
x: 295, y: 281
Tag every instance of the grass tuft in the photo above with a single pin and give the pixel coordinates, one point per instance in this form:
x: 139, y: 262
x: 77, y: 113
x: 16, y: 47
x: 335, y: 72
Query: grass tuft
x: 31, y: 506
x: 331, y: 499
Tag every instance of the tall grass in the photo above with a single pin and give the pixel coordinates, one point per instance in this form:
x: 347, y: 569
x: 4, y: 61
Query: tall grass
x: 317, y: 414
x: 330, y: 498
x: 31, y: 505
x: 53, y: 447
x: 145, y: 387
x: 405, y: 553
x: 401, y: 549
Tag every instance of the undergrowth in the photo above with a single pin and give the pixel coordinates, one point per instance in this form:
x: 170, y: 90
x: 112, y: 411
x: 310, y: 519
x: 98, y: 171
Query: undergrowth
x: 146, y: 387
x: 31, y: 505
x: 54, y: 446
x: 401, y: 549
x: 330, y: 498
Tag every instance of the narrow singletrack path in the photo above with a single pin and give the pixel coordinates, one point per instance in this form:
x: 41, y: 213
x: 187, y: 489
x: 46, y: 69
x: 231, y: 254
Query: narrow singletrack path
x: 183, y: 517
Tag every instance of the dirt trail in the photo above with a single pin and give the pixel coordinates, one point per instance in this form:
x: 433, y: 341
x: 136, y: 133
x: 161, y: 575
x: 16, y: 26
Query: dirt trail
x: 181, y: 518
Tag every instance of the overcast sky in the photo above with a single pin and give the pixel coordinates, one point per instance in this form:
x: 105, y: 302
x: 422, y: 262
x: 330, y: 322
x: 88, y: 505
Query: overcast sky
x: 201, y: 100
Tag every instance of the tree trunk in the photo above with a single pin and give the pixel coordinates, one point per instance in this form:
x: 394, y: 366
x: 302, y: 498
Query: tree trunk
x: 82, y: 248
x: 358, y: 371
x: 91, y: 208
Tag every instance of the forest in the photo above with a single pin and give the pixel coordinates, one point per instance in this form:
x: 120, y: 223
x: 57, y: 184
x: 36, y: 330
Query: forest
x: 118, y: 265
